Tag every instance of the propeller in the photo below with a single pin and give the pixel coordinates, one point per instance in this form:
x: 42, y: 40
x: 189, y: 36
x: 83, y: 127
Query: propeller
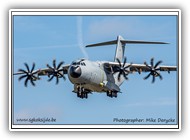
x: 122, y: 69
x: 56, y: 71
x: 152, y: 69
x: 28, y: 74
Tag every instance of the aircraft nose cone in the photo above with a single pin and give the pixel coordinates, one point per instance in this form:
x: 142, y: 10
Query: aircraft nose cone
x: 75, y: 71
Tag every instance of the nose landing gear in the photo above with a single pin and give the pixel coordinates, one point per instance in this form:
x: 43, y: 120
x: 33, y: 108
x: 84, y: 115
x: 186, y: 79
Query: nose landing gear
x: 81, y: 93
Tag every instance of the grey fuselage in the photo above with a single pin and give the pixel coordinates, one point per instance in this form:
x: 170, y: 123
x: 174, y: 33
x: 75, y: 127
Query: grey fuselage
x: 92, y: 75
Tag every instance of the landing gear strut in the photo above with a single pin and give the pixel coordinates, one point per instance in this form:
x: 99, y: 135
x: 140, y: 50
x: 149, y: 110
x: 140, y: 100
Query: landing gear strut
x: 81, y: 93
x: 112, y: 94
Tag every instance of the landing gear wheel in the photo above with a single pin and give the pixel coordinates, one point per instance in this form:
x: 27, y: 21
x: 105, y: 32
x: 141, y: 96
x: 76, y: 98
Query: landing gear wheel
x: 115, y: 94
x: 112, y: 94
x: 86, y: 95
x: 81, y: 92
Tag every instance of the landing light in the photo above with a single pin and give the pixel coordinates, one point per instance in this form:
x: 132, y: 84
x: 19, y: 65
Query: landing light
x: 101, y: 84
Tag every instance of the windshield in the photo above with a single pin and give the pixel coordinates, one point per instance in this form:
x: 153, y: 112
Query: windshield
x: 79, y: 62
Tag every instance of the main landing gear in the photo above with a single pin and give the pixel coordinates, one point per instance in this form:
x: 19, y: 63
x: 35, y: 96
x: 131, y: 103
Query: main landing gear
x: 81, y: 93
x: 112, y: 94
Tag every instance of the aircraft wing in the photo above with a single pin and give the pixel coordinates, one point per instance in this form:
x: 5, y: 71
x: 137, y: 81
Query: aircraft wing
x: 141, y: 67
x: 47, y: 71
x: 118, y: 68
x: 51, y: 71
x: 44, y: 71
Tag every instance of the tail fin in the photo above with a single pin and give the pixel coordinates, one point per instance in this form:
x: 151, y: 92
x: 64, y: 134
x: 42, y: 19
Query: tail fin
x: 119, y: 54
x: 119, y: 50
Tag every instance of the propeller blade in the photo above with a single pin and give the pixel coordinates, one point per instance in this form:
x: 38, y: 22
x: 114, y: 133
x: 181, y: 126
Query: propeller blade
x: 153, y: 70
x: 158, y: 63
x: 153, y: 79
x: 119, y: 62
x: 21, y: 77
x: 61, y: 63
x: 27, y: 67
x: 152, y: 62
x: 147, y: 76
x: 57, y: 80
x: 21, y: 70
x: 26, y: 82
x: 33, y: 66
x: 54, y: 64
x: 116, y: 69
x: 125, y: 59
x: 64, y: 77
x: 51, y: 78
x: 49, y: 67
x: 147, y: 65
x: 160, y: 76
x: 119, y: 75
x: 32, y: 82
x: 127, y: 66
x: 34, y: 77
x: 125, y: 76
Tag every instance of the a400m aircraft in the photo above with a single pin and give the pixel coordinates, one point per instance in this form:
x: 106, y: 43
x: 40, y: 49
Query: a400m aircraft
x: 97, y: 76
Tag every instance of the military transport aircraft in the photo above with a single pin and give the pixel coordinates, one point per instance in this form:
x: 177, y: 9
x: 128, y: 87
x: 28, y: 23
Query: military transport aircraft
x: 97, y: 76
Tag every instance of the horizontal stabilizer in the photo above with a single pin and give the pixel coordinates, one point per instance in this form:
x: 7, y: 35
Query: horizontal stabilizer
x: 141, y: 42
x: 103, y: 43
x: 125, y: 42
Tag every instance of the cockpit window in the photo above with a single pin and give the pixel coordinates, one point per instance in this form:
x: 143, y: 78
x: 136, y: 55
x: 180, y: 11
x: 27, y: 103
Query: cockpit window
x: 79, y: 62
x: 83, y: 64
x: 76, y: 63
